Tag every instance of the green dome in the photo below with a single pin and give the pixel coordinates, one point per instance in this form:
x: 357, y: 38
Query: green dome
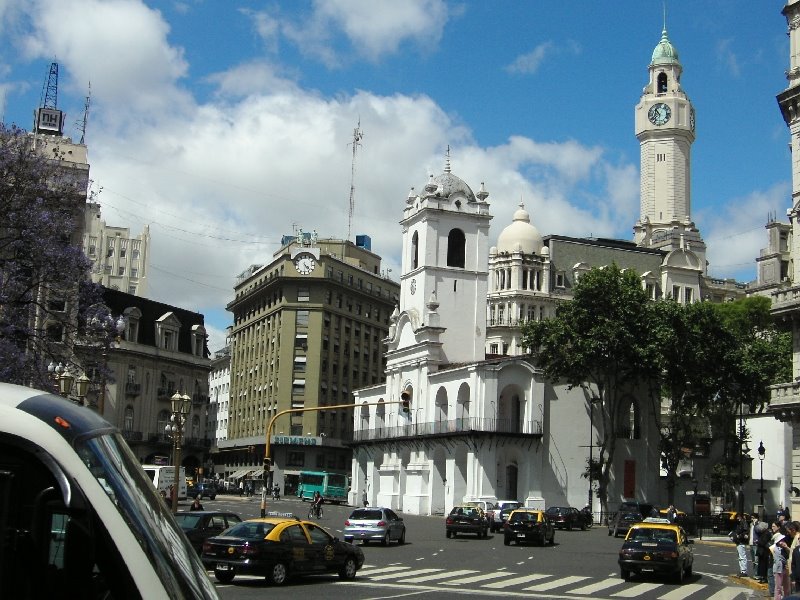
x: 665, y: 53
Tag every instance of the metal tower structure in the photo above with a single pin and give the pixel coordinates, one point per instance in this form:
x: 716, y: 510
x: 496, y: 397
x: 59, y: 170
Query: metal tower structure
x: 49, y: 98
x: 358, y: 135
x: 81, y: 123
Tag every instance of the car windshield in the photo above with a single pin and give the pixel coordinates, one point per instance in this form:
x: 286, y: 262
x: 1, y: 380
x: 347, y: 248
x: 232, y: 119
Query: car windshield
x: 630, y: 517
x: 119, y: 473
x: 365, y: 514
x: 188, y: 520
x: 523, y: 517
x: 653, y: 535
x: 249, y: 530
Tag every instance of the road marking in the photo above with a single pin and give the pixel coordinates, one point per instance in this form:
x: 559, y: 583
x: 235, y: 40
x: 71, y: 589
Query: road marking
x: 436, y: 576
x: 682, y: 592
x: 556, y: 583
x: 637, y: 590
x: 514, y: 581
x: 599, y: 586
x: 728, y: 593
x: 478, y: 578
x: 403, y: 574
x: 367, y: 572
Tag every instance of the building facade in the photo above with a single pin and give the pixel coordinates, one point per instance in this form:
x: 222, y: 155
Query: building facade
x: 119, y: 261
x: 307, y: 330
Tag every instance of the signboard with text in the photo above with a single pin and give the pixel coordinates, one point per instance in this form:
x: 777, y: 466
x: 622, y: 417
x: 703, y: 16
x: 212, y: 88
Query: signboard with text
x: 295, y: 440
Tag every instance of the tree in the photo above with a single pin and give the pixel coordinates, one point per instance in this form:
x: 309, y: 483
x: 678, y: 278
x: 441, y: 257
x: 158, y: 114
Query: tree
x: 43, y: 271
x: 598, y: 339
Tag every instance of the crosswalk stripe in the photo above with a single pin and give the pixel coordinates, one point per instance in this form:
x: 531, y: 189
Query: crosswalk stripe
x: 436, y: 576
x: 728, y: 593
x: 555, y: 583
x: 367, y: 572
x: 599, y: 586
x: 637, y: 590
x: 404, y: 573
x: 682, y: 592
x: 514, y: 581
x: 478, y: 578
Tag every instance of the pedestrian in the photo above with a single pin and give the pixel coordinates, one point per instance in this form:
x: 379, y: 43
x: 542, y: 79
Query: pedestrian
x: 672, y: 513
x: 780, y: 554
x: 364, y: 498
x: 754, y: 544
x: 774, y: 527
x: 196, y: 505
x: 762, y: 551
x: 741, y: 537
x: 790, y: 579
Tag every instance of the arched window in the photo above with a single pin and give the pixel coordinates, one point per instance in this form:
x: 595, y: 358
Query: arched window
x: 628, y: 426
x: 456, y: 248
x: 662, y: 83
x: 162, y: 421
x: 127, y: 423
x: 415, y: 250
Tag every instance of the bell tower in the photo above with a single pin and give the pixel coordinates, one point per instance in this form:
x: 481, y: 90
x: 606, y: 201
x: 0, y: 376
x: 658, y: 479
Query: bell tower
x: 665, y: 128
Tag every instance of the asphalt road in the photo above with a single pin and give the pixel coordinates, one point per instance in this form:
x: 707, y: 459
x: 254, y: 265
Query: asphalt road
x: 581, y: 564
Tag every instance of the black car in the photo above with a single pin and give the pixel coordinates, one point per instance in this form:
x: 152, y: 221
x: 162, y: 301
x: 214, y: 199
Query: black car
x: 566, y: 517
x: 278, y: 547
x: 622, y: 522
x: 466, y: 519
x: 525, y: 525
x: 204, y: 490
x: 200, y: 525
x: 656, y: 546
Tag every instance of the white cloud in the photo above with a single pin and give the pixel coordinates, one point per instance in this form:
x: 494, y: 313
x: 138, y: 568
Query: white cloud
x: 531, y: 61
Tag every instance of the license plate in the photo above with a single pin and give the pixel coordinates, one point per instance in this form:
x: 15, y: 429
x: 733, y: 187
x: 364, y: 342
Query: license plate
x: 520, y: 535
x: 223, y: 567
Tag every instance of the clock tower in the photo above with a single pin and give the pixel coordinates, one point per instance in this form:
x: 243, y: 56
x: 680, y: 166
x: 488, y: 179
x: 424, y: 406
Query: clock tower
x: 665, y: 128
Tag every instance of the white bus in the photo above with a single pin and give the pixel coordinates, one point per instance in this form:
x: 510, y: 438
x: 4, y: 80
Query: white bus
x: 164, y: 476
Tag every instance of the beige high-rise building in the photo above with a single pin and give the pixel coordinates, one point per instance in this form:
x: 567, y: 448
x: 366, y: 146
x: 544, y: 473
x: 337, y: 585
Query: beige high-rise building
x: 119, y: 261
x: 308, y: 329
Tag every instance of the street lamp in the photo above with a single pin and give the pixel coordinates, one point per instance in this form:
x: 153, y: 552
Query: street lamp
x: 741, y: 458
x: 181, y: 404
x: 762, y: 454
x: 68, y: 385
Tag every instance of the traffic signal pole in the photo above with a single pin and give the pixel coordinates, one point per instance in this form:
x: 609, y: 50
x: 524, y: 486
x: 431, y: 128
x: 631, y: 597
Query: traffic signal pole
x: 267, y: 475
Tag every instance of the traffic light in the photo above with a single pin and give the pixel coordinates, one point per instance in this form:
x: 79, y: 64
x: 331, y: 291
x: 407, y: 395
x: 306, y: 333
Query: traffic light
x: 405, y: 402
x: 267, y: 467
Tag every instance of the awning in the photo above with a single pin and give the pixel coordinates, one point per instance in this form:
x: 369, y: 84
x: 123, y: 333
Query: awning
x: 240, y: 473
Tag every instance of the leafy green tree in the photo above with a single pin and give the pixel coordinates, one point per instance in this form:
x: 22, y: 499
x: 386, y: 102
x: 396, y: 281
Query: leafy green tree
x: 598, y: 341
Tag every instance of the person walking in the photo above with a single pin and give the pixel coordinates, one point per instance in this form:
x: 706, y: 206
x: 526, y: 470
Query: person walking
x: 672, y: 513
x: 754, y: 545
x: 741, y: 537
x: 790, y: 578
x: 762, y: 551
x: 364, y: 498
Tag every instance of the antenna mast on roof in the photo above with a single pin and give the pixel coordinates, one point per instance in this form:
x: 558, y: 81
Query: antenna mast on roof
x: 81, y: 124
x: 357, y: 137
x: 47, y: 118
x: 49, y: 97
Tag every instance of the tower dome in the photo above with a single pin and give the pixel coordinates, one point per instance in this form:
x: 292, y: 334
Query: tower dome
x: 520, y: 236
x: 446, y: 185
x: 665, y: 53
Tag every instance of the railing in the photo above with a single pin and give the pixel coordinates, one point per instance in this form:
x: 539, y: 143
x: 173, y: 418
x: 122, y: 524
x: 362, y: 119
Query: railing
x: 463, y: 425
x: 200, y: 398
x: 133, y: 389
x: 132, y: 436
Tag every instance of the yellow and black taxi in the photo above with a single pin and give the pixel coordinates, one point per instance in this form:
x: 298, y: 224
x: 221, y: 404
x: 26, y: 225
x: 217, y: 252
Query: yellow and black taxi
x: 466, y: 518
x: 656, y: 546
x: 278, y: 547
x: 528, y: 525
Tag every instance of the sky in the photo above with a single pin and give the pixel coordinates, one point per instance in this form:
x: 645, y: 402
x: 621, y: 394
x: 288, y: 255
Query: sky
x: 226, y: 124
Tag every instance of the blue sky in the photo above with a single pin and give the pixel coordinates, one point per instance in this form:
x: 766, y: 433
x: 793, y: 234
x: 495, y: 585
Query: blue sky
x: 224, y: 124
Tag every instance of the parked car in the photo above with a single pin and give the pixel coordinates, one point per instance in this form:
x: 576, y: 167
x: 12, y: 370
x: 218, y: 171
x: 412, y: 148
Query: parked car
x: 527, y: 524
x: 566, y: 517
x: 643, y: 508
x: 725, y: 521
x: 497, y: 516
x: 466, y: 518
x: 200, y: 525
x: 656, y: 546
x: 622, y: 522
x: 204, y: 490
x: 277, y: 547
x: 374, y: 524
x: 487, y: 507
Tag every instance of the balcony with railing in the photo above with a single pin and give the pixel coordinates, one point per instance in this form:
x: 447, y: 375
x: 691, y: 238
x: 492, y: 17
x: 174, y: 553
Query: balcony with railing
x: 786, y: 301
x: 784, y: 400
x: 132, y: 388
x: 198, y: 398
x: 450, y: 428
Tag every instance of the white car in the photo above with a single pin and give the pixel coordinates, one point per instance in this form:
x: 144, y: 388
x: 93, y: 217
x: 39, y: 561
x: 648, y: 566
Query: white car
x: 502, y: 509
x: 489, y: 509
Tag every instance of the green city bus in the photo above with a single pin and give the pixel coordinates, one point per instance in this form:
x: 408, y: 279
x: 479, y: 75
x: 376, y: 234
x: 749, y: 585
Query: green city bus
x: 332, y: 486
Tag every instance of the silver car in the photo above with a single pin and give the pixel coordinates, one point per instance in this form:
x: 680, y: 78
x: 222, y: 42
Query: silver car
x: 374, y: 524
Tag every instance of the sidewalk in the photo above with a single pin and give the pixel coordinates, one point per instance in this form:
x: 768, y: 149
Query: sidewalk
x: 724, y: 541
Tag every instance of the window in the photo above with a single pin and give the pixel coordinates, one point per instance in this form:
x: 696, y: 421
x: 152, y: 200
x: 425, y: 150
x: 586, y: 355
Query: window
x: 414, y: 251
x: 56, y: 304
x: 127, y: 423
x: 303, y: 294
x: 301, y: 319
x: 493, y: 348
x: 687, y: 295
x: 298, y: 387
x: 135, y: 255
x: 92, y: 250
x: 560, y: 279
x: 134, y: 272
x: 296, y: 459
x: 121, y: 271
x: 456, y: 248
x: 662, y: 83
x: 55, y: 332
x: 301, y: 341
x: 300, y: 364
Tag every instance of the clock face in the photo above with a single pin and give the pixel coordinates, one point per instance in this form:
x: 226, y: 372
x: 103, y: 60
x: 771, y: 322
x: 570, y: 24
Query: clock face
x: 304, y: 263
x: 691, y: 119
x: 659, y: 113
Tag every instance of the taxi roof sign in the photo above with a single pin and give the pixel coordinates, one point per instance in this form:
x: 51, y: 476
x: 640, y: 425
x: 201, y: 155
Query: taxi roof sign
x: 657, y: 520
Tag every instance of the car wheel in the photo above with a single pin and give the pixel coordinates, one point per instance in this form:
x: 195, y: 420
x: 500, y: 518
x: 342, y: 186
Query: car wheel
x: 454, y: 534
x: 278, y: 574
x: 448, y: 534
x: 583, y: 525
x: 680, y: 574
x: 224, y: 576
x: 610, y: 532
x: 402, y: 539
x: 625, y: 574
x: 553, y: 539
x: 569, y: 526
x: 348, y: 570
x: 506, y: 541
x: 689, y: 570
x: 486, y: 533
x: 385, y: 540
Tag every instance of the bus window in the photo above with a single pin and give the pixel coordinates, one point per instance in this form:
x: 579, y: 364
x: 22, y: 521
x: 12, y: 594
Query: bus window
x: 332, y: 486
